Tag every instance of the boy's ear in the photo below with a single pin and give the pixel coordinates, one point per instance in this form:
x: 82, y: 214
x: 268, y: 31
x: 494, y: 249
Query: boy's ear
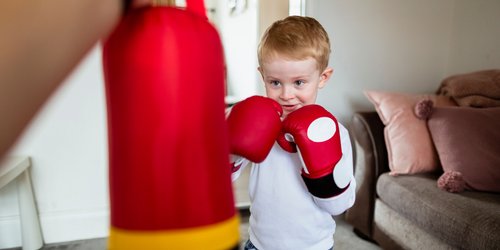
x: 325, y: 75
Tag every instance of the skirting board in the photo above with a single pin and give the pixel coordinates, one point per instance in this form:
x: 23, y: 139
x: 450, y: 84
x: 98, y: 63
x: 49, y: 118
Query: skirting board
x: 10, y: 232
x: 61, y: 226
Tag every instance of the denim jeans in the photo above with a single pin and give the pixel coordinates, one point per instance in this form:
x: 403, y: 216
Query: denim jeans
x: 250, y: 246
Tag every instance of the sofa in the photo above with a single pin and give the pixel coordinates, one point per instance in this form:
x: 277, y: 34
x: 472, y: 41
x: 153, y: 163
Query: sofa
x: 410, y: 211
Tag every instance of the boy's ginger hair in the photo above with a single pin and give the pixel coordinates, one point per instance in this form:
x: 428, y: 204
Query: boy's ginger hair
x: 297, y: 38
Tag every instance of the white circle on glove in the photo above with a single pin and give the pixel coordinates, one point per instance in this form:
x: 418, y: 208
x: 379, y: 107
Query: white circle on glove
x: 321, y: 129
x: 342, y: 174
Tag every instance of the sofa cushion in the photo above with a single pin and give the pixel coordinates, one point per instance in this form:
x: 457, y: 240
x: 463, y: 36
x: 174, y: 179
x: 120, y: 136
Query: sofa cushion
x: 468, y: 141
x: 468, y: 220
x: 409, y: 145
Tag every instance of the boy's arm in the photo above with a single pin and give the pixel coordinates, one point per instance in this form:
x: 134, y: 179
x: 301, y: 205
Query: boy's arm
x: 324, y: 148
x: 340, y: 203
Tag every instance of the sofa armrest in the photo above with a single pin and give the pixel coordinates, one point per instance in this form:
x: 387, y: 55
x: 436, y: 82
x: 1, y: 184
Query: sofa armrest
x: 371, y: 162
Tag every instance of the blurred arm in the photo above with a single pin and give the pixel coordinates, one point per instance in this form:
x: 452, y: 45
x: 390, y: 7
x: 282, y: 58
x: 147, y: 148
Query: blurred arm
x: 41, y: 41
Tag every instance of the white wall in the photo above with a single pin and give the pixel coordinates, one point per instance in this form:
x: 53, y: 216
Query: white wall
x: 475, y: 40
x: 398, y: 45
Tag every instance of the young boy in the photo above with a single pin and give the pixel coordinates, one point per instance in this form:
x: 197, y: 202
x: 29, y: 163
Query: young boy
x: 302, y: 161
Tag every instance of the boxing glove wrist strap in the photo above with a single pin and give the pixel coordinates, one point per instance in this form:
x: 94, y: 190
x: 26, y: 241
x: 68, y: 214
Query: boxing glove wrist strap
x: 323, y: 187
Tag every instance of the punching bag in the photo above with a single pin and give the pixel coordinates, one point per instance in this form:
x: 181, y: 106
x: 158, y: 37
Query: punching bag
x: 169, y: 171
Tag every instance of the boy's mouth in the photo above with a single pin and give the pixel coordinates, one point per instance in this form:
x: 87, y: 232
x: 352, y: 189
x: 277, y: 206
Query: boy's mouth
x: 289, y: 108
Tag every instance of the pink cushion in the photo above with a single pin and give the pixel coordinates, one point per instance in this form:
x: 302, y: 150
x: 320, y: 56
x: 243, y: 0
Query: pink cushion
x: 409, y: 145
x: 468, y: 141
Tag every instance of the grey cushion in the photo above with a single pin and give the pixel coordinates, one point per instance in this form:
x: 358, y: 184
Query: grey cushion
x: 468, y: 220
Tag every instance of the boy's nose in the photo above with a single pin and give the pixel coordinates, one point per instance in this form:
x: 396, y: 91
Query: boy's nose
x: 286, y: 93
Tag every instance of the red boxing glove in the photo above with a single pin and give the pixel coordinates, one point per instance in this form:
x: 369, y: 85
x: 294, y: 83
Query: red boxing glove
x: 254, y: 125
x: 316, y: 133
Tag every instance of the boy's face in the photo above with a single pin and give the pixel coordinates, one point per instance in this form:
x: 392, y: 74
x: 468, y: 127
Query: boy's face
x: 293, y: 84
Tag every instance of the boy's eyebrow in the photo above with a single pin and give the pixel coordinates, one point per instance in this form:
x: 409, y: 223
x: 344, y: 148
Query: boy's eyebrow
x: 300, y: 76
x: 294, y: 78
x: 268, y: 77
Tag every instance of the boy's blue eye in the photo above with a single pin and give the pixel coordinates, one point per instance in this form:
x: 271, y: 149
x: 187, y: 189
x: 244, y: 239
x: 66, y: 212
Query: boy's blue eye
x: 275, y: 83
x: 299, y: 83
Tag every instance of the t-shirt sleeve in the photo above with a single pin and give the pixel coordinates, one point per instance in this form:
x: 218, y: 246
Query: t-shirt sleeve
x: 338, y: 204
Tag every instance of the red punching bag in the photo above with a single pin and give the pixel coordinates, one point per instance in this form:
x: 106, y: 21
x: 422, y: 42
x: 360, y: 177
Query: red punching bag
x: 169, y: 173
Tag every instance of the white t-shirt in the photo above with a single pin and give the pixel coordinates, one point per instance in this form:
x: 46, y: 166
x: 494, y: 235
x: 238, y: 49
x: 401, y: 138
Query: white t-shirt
x: 284, y: 215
